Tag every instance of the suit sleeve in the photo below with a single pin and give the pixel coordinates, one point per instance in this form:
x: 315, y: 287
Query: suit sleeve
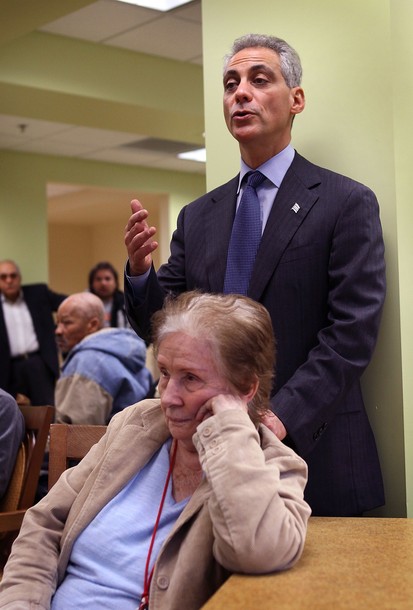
x: 55, y: 299
x: 309, y: 400
x: 143, y: 303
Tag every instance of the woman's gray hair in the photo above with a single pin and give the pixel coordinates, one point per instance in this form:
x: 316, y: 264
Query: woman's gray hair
x: 289, y: 59
x: 239, y: 332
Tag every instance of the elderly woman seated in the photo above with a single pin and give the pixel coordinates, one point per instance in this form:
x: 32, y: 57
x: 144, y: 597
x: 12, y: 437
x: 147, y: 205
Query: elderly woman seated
x: 180, y: 492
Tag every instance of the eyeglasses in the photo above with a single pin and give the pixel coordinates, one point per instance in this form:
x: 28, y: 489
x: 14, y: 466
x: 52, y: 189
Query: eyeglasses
x: 12, y: 276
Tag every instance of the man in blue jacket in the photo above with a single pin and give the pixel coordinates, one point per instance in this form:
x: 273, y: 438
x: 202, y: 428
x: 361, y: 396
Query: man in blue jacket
x: 104, y: 368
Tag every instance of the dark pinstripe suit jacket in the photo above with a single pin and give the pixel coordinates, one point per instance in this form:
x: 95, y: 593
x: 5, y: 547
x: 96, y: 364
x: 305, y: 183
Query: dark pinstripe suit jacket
x: 41, y: 302
x: 320, y: 272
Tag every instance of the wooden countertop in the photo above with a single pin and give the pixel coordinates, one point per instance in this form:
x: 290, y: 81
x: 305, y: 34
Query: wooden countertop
x: 347, y: 563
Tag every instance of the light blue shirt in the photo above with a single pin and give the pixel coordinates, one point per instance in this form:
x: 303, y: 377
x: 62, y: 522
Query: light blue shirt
x: 274, y: 170
x: 107, y: 564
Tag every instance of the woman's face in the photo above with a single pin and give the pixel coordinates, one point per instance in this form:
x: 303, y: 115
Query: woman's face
x: 188, y: 379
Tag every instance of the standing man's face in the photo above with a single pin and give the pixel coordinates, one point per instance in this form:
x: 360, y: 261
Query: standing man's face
x: 258, y: 104
x: 10, y: 281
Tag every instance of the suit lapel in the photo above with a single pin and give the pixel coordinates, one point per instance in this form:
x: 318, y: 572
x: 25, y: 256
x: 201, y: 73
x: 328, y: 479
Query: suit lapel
x: 291, y: 206
x: 295, y: 198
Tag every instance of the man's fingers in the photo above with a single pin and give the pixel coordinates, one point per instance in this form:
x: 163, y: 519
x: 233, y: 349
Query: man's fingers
x: 138, y: 219
x: 137, y: 237
x: 135, y: 205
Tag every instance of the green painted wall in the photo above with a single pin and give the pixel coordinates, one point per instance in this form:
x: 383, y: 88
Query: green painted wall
x: 23, y: 203
x: 356, y: 57
x: 402, y: 89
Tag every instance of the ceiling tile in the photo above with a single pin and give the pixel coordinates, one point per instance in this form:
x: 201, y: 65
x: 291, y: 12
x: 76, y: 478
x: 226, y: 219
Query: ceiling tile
x: 173, y: 163
x: 191, y: 11
x: 100, y: 20
x: 117, y: 155
x: 168, y: 37
x: 27, y: 129
x: 46, y: 147
x: 99, y: 137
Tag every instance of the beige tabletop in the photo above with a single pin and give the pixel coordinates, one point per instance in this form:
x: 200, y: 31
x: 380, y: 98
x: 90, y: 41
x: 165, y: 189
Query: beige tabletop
x: 357, y: 563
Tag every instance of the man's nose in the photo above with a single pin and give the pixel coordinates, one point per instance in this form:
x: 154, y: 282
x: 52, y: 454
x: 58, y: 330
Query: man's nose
x: 243, y: 91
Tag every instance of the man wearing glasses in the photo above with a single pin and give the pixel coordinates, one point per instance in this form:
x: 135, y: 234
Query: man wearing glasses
x: 29, y: 362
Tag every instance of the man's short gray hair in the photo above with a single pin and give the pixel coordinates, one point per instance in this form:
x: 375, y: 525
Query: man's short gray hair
x: 289, y: 59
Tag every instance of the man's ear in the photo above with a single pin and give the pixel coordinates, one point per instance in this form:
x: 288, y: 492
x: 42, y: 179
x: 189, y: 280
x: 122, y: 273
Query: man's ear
x: 298, y: 100
x: 93, y: 325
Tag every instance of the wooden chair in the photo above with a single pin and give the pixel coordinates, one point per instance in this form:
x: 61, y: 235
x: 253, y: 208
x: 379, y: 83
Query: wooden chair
x: 70, y: 442
x: 21, y: 492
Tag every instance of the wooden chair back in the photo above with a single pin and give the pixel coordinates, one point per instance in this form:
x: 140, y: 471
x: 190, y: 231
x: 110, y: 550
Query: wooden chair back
x: 11, y: 498
x: 21, y: 492
x: 70, y: 442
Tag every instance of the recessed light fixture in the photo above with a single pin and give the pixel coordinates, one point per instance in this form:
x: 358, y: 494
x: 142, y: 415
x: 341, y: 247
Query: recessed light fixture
x: 157, y: 5
x: 194, y: 155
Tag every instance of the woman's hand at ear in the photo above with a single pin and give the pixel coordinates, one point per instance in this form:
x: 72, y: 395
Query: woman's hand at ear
x: 219, y: 403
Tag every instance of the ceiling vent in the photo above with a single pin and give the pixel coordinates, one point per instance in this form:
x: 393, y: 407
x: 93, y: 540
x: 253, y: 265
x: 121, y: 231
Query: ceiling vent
x: 162, y: 146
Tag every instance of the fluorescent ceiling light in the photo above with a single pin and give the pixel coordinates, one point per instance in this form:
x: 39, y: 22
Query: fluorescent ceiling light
x: 194, y: 155
x: 157, y: 5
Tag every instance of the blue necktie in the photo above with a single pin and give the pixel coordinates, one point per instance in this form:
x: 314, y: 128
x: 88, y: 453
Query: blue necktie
x: 245, y: 238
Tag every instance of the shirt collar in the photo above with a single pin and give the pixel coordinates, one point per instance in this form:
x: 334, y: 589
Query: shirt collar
x: 19, y: 299
x: 274, y: 169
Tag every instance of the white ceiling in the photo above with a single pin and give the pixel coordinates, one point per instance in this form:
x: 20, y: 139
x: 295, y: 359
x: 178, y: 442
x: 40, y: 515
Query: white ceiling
x: 176, y: 34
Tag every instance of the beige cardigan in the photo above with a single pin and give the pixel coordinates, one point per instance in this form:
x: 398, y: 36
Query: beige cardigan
x: 247, y: 515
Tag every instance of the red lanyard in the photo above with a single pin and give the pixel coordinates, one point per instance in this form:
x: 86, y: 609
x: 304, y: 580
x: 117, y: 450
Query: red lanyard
x: 144, y: 605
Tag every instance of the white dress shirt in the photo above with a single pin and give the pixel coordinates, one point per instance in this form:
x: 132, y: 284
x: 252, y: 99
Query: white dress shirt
x: 19, y: 325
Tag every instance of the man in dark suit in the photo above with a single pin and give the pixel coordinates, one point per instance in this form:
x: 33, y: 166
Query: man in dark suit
x: 29, y: 363
x: 319, y: 271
